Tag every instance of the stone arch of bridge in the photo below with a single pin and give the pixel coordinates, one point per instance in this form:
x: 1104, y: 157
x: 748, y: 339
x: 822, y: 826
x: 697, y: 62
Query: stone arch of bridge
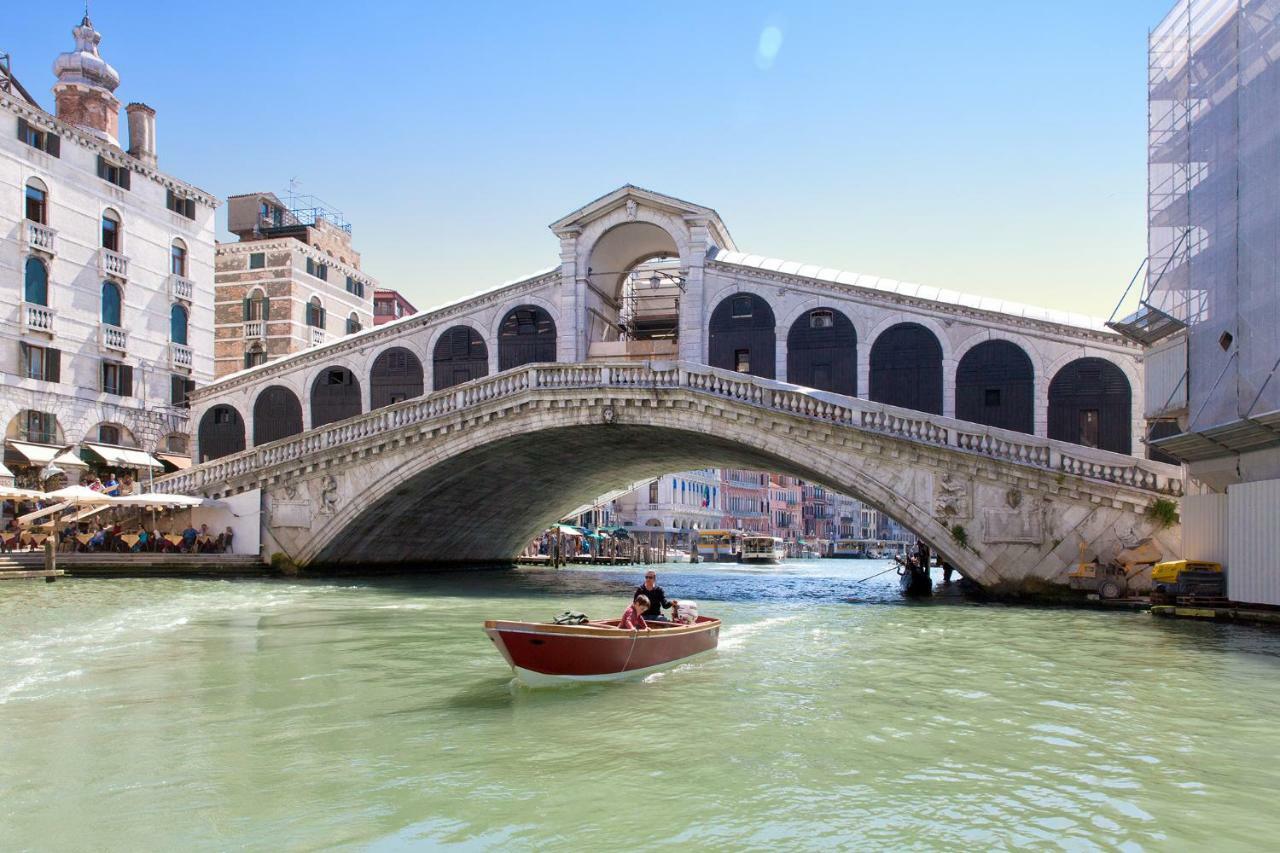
x: 436, y: 503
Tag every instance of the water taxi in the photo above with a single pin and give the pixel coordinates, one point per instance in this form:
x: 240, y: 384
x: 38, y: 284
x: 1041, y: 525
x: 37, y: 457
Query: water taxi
x: 763, y: 549
x: 719, y: 546
x: 850, y: 549
x: 544, y: 655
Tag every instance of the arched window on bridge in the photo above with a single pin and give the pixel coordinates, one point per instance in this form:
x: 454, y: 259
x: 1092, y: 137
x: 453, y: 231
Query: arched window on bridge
x: 1090, y: 404
x: 995, y: 385
x: 335, y: 396
x: 906, y: 368
x: 277, y: 414
x: 460, y: 356
x: 221, y: 433
x: 527, y: 336
x: 396, y: 375
x: 742, y: 336
x: 822, y: 352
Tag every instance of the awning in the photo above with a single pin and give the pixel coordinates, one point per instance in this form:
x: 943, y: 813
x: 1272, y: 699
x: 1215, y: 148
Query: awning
x: 6, y: 474
x: 182, y: 463
x: 43, y: 454
x: 123, y: 457
x: 567, y: 530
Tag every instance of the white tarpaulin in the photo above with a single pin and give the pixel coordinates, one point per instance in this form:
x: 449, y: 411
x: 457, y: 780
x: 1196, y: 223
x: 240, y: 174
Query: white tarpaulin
x: 124, y: 457
x: 43, y: 454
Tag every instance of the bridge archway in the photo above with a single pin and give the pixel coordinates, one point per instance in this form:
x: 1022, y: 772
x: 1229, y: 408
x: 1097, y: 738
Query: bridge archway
x: 995, y: 385
x: 527, y: 335
x: 822, y: 352
x: 396, y: 375
x: 1090, y: 403
x: 906, y: 368
x: 335, y: 396
x: 742, y: 335
x: 617, y: 307
x: 221, y: 432
x: 277, y: 414
x: 460, y: 355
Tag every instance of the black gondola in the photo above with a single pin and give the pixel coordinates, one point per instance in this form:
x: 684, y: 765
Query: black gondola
x: 913, y: 581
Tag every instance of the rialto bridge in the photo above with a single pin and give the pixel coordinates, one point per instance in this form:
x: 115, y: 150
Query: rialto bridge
x: 1000, y: 433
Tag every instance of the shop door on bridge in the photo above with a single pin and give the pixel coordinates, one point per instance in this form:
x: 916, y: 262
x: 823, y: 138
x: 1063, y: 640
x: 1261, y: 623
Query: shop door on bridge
x: 906, y: 368
x: 1090, y: 404
x: 742, y: 336
x: 460, y: 356
x: 822, y: 352
x: 995, y: 385
x: 527, y: 336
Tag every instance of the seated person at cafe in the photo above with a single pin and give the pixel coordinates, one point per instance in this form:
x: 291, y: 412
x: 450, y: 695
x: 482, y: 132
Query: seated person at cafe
x: 111, y: 486
x: 656, y: 598
x: 633, y: 618
x: 189, y: 538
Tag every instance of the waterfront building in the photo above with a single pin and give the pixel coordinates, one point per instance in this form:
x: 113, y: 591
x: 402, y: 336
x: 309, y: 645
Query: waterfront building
x: 390, y: 305
x: 785, y: 505
x: 1210, y: 310
x: 745, y: 501
x: 678, y: 504
x: 293, y: 280
x: 109, y: 263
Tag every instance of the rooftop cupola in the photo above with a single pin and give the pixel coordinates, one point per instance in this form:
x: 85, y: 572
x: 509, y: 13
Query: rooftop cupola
x: 86, y: 84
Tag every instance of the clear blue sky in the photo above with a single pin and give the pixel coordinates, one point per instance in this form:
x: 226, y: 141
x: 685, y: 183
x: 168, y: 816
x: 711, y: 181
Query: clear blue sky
x: 989, y: 147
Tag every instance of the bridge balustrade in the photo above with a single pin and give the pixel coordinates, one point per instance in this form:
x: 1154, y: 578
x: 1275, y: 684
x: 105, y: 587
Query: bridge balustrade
x: 1019, y: 448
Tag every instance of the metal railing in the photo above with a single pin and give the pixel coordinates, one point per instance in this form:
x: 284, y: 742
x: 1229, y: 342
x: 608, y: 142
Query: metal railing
x: 40, y: 238
x: 37, y: 318
x: 858, y: 414
x: 113, y: 339
x: 181, y: 288
x: 112, y: 264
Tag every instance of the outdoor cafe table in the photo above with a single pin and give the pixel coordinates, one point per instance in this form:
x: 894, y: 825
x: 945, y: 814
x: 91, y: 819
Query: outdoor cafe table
x: 129, y: 539
x: 174, y: 539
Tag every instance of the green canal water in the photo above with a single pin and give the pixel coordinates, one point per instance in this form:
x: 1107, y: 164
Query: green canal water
x: 375, y: 715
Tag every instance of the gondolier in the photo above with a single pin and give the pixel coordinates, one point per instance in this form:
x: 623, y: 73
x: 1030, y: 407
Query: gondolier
x: 658, y: 600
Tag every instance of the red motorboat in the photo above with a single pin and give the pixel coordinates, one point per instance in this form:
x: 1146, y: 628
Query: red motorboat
x: 543, y: 654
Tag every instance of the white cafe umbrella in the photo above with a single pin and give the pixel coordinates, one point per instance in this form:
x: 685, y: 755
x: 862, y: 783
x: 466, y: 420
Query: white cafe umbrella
x: 80, y: 496
x: 11, y: 493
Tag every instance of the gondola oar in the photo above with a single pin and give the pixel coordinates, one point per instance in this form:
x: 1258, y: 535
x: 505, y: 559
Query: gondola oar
x: 878, y: 574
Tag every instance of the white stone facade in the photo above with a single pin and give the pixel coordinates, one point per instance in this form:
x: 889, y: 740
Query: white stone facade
x: 70, y: 245
x: 575, y: 297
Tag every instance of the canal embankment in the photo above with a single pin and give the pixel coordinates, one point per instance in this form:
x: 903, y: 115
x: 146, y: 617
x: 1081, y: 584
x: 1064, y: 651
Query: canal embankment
x: 33, y: 565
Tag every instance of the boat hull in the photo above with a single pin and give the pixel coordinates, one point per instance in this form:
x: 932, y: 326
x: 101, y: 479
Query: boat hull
x: 542, y: 654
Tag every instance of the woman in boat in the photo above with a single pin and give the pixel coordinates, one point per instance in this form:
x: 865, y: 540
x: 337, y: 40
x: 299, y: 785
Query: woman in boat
x: 633, y: 618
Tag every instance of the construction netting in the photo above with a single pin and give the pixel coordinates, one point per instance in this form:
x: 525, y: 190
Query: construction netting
x: 1214, y: 199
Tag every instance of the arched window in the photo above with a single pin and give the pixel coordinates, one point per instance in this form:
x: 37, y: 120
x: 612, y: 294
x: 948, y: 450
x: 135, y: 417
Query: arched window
x: 110, y: 230
x: 995, y: 385
x: 257, y: 306
x: 1090, y: 404
x: 36, y: 285
x: 822, y: 352
x: 178, y: 258
x: 353, y: 324
x: 906, y: 368
x: 37, y: 202
x: 221, y: 433
x: 335, y: 396
x: 256, y: 354
x: 178, y: 324
x: 742, y: 335
x: 460, y: 356
x: 277, y: 414
x: 315, y: 313
x: 527, y: 336
x: 111, y: 303
x: 396, y: 375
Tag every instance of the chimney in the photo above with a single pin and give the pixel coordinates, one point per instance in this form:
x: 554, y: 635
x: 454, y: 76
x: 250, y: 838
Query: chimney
x: 142, y: 133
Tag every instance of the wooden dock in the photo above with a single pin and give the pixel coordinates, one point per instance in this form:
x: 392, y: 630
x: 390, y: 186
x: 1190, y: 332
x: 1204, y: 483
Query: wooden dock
x: 136, y: 565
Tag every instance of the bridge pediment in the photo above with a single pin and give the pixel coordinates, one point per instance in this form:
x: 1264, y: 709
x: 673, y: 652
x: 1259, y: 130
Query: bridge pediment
x: 630, y: 203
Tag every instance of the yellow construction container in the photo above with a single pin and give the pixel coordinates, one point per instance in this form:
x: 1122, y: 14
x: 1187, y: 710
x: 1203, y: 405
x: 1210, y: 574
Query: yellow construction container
x: 1169, y: 572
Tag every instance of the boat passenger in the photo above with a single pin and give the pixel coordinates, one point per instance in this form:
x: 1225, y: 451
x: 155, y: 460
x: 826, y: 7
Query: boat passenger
x: 656, y: 599
x: 633, y: 618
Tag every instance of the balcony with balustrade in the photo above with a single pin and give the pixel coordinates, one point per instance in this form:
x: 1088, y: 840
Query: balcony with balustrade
x: 37, y: 318
x: 317, y: 336
x: 112, y: 265
x: 39, y: 238
x: 180, y: 356
x: 181, y: 289
x: 113, y: 339
x: 255, y: 330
